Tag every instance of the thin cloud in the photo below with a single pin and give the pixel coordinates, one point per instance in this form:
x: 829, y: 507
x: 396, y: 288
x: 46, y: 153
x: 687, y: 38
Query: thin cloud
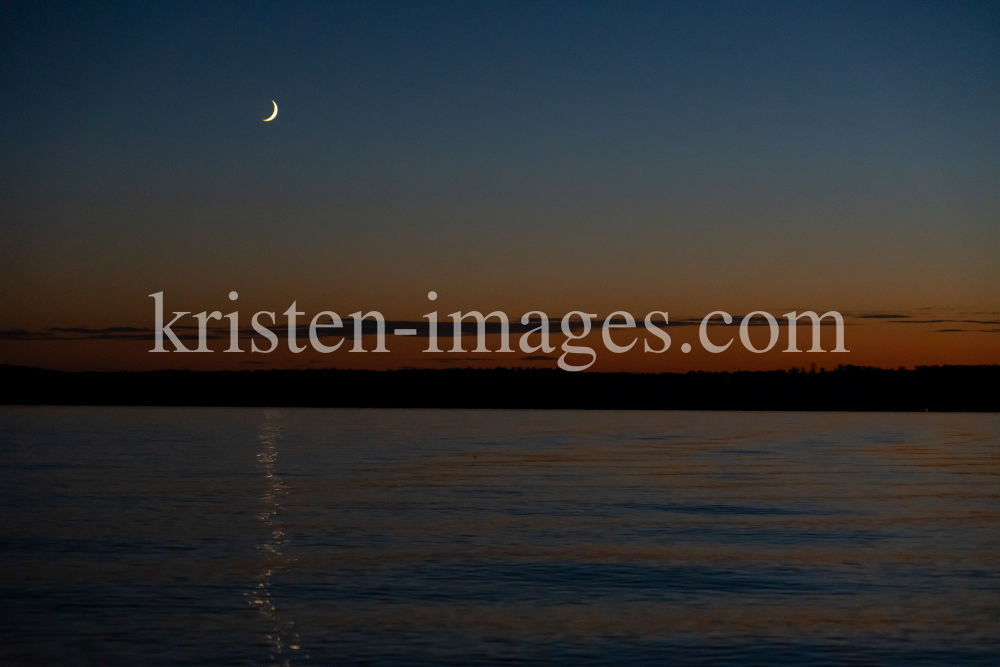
x: 445, y: 329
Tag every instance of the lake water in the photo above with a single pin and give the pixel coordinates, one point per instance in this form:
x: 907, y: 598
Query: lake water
x: 254, y: 536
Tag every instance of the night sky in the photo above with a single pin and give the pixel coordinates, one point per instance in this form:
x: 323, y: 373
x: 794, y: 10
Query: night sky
x: 685, y: 157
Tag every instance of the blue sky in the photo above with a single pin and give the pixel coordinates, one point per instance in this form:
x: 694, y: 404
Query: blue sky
x: 511, y: 154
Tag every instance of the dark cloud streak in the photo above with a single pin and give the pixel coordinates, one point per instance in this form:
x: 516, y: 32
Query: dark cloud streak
x: 445, y: 328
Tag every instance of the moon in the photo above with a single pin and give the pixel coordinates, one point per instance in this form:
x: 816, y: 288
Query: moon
x: 275, y: 114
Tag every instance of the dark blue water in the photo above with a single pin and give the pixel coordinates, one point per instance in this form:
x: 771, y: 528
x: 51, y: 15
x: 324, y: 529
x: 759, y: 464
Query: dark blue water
x: 385, y: 537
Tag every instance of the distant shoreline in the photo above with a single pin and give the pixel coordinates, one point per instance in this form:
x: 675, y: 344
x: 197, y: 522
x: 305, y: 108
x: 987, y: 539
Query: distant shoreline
x: 850, y: 388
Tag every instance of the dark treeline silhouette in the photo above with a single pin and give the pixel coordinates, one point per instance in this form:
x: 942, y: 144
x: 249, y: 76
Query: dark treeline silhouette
x: 934, y: 388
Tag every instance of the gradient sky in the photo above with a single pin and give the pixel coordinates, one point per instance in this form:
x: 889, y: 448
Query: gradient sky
x: 686, y: 157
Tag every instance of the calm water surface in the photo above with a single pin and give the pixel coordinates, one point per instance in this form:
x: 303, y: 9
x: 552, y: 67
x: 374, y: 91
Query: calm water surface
x: 384, y: 537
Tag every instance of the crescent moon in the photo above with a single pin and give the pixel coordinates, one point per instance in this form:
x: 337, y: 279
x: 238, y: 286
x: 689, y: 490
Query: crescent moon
x: 275, y: 114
